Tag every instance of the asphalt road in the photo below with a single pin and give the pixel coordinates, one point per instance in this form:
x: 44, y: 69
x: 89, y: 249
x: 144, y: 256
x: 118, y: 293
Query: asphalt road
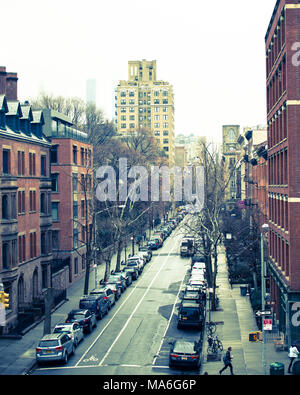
x: 133, y: 338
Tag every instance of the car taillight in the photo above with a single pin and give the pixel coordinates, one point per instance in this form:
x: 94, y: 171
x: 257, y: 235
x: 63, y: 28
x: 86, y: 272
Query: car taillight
x: 174, y: 355
x: 60, y: 348
x: 105, y: 298
x: 195, y: 356
x: 38, y: 349
x: 86, y: 320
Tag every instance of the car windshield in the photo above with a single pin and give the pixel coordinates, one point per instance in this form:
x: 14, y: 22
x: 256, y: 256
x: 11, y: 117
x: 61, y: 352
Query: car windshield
x: 184, y: 348
x: 98, y: 293
x: 48, y: 343
x: 62, y: 329
x: 133, y: 263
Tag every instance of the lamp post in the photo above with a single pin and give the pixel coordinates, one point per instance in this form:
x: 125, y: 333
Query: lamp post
x: 132, y: 241
x: 265, y: 228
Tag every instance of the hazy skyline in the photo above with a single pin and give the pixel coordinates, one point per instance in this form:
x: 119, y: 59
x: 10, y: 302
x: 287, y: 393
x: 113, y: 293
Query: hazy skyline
x: 213, y: 53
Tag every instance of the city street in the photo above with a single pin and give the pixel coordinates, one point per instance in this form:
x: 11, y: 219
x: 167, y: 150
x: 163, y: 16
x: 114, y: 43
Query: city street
x: 133, y: 338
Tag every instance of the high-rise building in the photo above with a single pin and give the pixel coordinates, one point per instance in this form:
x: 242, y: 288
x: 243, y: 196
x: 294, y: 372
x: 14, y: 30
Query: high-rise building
x: 143, y: 102
x: 91, y: 91
x: 283, y: 117
x: 231, y: 155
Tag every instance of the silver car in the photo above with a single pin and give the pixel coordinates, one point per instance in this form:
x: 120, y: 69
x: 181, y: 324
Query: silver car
x: 73, y: 329
x: 55, y: 347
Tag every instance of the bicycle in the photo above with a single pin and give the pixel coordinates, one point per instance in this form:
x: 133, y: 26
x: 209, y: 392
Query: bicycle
x: 211, y: 327
x: 214, y: 345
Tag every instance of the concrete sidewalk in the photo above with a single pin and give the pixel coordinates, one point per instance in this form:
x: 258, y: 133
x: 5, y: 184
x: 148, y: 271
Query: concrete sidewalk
x: 236, y: 320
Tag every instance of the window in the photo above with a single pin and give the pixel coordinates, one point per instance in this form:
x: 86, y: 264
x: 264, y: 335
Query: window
x: 132, y: 125
x: 156, y: 109
x: 123, y: 94
x: 33, y: 245
x: 75, y: 265
x: 157, y: 133
x: 43, y: 165
x: 75, y: 154
x: 131, y: 109
x: 166, y: 125
x: 55, y: 239
x: 166, y: 149
x: 5, y: 207
x: 166, y: 133
x: 32, y: 164
x: 32, y: 201
x: 123, y: 109
x: 5, y: 256
x: 75, y: 238
x: 21, y: 163
x: 165, y: 101
x: 131, y: 117
x: 54, y: 182
x: 55, y: 212
x: 21, y: 202
x: 22, y: 248
x: 123, y: 117
x: 131, y: 93
x: 165, y: 93
x: 123, y: 102
x: 156, y: 101
x: 165, y: 117
x: 6, y: 161
x: 54, y: 154
x: 75, y: 210
x: 43, y: 243
x: 156, y: 117
x: 165, y: 109
x: 43, y: 203
x: 75, y: 182
x: 123, y: 126
x: 166, y: 141
x: 156, y: 125
x: 131, y: 101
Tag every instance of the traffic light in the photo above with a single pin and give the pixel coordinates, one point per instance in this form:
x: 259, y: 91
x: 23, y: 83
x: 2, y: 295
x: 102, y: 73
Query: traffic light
x: 5, y: 299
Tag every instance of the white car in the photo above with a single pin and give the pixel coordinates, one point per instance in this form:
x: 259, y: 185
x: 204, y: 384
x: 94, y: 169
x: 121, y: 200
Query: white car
x: 73, y: 329
x: 197, y: 272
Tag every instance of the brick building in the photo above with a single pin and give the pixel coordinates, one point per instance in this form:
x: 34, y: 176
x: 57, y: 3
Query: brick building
x: 283, y: 117
x: 71, y: 175
x: 25, y: 228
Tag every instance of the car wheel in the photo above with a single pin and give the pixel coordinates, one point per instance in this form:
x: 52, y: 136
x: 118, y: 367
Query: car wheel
x: 65, y: 360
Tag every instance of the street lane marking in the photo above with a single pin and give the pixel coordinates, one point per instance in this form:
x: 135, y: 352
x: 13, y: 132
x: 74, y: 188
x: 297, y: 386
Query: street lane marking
x: 136, y: 307
x: 100, y: 334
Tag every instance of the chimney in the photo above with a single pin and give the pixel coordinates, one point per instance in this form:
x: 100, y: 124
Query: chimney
x: 2, y: 80
x: 12, y: 86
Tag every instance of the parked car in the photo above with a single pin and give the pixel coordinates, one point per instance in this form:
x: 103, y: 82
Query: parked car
x: 118, y: 280
x: 190, y: 314
x: 73, y: 329
x: 198, y: 258
x: 146, y: 250
x: 136, y: 262
x: 95, y: 303
x: 55, y: 347
x: 199, y: 265
x: 153, y: 244
x: 185, y: 354
x: 127, y: 277
x: 198, y: 297
x: 144, y: 255
x: 158, y: 240
x: 197, y: 272
x: 133, y: 271
x: 116, y: 290
x: 107, y: 293
x: 85, y: 318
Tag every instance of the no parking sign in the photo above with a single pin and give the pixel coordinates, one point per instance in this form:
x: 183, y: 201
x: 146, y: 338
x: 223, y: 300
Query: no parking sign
x: 267, y: 323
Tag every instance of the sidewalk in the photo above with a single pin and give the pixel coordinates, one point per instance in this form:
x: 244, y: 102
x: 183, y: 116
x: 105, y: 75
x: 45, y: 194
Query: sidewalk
x: 18, y: 355
x: 236, y: 321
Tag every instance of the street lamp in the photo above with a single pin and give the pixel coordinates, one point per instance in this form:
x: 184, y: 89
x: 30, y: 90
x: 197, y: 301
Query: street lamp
x: 132, y: 240
x: 265, y: 228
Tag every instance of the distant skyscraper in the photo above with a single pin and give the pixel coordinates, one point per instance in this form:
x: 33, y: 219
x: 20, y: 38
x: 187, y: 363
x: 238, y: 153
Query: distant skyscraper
x: 91, y: 91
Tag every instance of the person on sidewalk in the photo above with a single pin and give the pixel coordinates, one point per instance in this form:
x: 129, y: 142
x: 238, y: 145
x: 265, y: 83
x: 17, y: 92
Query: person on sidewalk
x: 293, y: 354
x: 227, y: 361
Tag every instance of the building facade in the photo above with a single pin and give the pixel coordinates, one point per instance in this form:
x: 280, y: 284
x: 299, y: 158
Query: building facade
x: 231, y: 157
x: 25, y: 229
x: 143, y: 102
x: 283, y: 117
x: 71, y: 183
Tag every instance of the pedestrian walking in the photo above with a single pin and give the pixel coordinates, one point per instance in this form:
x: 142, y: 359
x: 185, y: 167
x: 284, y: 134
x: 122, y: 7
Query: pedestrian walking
x: 227, y: 361
x: 293, y: 354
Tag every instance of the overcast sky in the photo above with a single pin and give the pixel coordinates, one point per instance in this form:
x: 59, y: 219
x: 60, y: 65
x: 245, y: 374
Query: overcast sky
x: 212, y: 52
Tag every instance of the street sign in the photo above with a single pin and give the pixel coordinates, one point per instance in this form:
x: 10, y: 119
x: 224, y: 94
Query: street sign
x: 267, y: 324
x: 260, y: 313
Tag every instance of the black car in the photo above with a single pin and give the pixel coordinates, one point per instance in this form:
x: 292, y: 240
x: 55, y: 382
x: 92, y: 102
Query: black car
x: 85, y: 318
x: 107, y: 293
x: 185, y: 354
x: 133, y: 271
x: 198, y: 258
x: 190, y: 314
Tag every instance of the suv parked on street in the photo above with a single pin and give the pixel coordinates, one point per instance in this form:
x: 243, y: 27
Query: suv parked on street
x: 107, y: 293
x: 54, y: 347
x: 95, y: 303
x: 73, y: 329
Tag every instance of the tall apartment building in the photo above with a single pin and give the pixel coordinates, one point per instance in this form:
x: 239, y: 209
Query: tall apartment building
x: 283, y: 117
x: 71, y: 177
x: 232, y: 155
x: 25, y: 198
x: 145, y: 102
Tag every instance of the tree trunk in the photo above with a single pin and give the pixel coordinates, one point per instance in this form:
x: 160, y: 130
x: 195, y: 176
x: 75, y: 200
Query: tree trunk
x: 119, y: 250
